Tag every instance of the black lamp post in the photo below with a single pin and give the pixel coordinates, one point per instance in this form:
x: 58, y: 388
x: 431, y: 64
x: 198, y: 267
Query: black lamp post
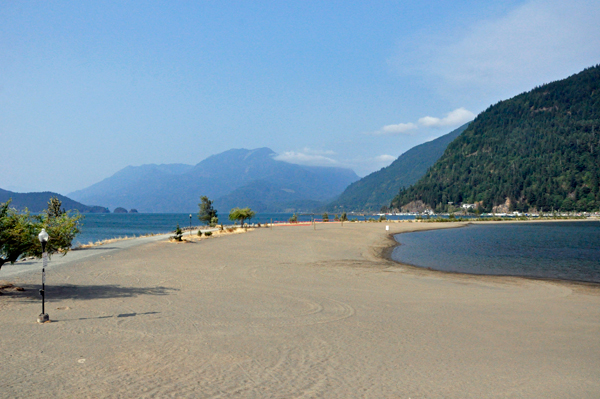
x: 43, y: 237
x: 190, y: 224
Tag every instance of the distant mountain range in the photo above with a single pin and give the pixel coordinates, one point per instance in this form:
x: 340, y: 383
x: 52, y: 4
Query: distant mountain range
x: 37, y: 202
x: 379, y: 188
x: 238, y: 177
x: 538, y: 150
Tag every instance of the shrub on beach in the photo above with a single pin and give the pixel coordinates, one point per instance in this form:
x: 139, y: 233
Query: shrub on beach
x: 19, y: 231
x: 239, y: 215
x: 207, y: 212
x: 208, y: 233
x: 178, y: 234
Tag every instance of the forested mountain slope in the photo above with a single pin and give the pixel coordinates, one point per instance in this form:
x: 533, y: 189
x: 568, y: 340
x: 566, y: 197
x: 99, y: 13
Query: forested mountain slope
x: 377, y: 189
x: 540, y: 149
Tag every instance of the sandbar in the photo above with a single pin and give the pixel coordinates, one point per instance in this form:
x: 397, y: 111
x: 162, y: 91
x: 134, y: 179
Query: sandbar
x: 294, y: 312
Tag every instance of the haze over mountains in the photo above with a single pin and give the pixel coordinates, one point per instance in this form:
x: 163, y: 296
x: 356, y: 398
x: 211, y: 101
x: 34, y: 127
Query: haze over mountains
x: 540, y: 150
x: 237, y: 177
x: 245, y: 178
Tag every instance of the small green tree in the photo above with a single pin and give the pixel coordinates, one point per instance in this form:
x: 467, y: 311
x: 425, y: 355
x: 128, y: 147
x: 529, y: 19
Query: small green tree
x: 344, y: 217
x: 325, y: 217
x: 207, y: 211
x: 178, y: 234
x: 18, y: 231
x: 54, y: 208
x: 17, y: 234
x: 240, y: 215
x: 294, y: 218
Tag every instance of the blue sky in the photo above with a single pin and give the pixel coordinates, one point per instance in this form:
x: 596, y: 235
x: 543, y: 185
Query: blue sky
x: 87, y: 88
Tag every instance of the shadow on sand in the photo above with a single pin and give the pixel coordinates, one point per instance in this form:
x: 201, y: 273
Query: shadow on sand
x: 94, y: 248
x: 108, y: 317
x: 86, y: 292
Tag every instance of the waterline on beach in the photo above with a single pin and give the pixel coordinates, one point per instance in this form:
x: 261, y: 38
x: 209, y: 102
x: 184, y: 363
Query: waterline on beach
x: 100, y: 227
x: 564, y: 250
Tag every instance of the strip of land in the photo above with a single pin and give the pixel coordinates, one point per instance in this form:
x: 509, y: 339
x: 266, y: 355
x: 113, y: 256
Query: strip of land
x: 294, y: 312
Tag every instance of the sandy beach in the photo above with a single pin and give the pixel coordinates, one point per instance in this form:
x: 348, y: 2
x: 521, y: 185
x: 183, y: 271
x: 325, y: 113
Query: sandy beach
x: 292, y: 312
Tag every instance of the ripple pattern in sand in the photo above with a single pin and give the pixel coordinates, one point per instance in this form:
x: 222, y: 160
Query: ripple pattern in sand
x: 274, y: 310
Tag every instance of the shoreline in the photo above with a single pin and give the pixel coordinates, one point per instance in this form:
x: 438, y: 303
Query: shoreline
x: 386, y: 254
x: 381, y: 251
x: 294, y: 312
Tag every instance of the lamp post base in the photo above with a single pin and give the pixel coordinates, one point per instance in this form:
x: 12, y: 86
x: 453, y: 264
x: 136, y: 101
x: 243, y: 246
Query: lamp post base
x: 43, y: 317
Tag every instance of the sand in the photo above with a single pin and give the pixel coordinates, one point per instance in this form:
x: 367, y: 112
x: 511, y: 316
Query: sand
x: 290, y: 312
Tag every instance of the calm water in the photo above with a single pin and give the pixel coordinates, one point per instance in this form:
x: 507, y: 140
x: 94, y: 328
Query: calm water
x: 562, y: 250
x: 101, y: 226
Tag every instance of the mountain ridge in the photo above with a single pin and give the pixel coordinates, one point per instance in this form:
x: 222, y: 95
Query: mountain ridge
x: 379, y: 188
x: 538, y: 150
x: 38, y: 202
x: 150, y: 188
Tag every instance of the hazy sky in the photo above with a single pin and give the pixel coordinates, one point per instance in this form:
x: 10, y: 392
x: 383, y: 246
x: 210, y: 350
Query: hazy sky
x: 87, y: 88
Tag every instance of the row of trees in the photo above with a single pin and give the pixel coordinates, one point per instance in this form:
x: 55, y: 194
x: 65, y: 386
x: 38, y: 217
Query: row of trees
x: 325, y: 217
x: 336, y: 218
x: 19, y: 231
x: 208, y: 214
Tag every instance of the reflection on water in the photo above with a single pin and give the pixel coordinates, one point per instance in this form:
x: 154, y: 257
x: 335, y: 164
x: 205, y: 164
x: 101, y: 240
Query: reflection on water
x: 560, y: 250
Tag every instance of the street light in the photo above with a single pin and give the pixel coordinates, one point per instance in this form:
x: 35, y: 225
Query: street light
x: 190, y: 224
x: 43, y: 237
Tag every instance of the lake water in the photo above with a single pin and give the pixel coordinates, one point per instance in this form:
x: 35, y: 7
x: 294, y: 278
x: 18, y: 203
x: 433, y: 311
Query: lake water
x: 102, y: 226
x: 556, y: 250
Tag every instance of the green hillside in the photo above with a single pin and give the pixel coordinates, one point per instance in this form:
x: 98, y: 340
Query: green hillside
x: 540, y: 149
x: 377, y: 189
x: 37, y: 202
